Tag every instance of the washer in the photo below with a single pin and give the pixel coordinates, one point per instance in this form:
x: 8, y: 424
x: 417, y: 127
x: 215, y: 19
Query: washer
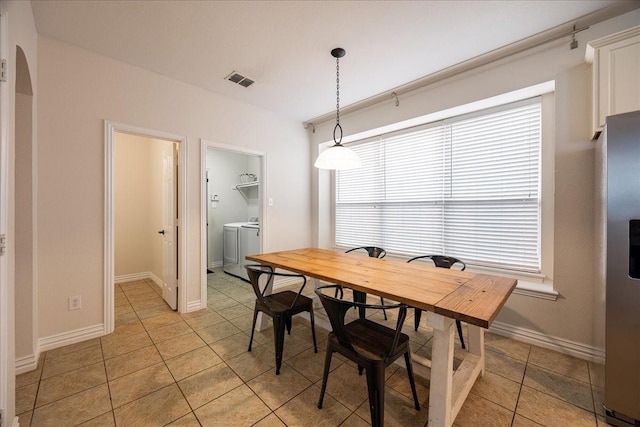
x: 239, y: 240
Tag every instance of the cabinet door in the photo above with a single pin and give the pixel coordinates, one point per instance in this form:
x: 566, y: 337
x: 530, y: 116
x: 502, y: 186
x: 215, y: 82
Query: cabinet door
x: 620, y: 71
x: 616, y: 79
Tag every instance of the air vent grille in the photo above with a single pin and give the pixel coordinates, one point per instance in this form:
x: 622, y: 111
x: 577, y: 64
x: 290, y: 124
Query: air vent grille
x: 246, y: 82
x: 239, y: 79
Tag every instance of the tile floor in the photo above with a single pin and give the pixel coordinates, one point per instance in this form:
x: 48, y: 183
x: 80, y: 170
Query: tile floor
x: 162, y: 368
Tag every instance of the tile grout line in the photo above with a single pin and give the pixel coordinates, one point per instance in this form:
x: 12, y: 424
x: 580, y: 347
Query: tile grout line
x: 272, y: 411
x: 106, y: 377
x: 524, y: 375
x: 154, y: 344
x: 164, y: 361
x: 593, y: 397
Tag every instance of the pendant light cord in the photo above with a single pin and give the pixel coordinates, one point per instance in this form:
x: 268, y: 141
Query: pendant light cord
x: 337, y: 104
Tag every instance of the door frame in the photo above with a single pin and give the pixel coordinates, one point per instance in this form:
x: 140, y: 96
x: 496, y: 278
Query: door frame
x: 204, y: 145
x: 7, y: 300
x: 110, y: 128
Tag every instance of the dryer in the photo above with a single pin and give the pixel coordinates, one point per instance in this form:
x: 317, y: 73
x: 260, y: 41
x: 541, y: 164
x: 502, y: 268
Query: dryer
x: 239, y: 240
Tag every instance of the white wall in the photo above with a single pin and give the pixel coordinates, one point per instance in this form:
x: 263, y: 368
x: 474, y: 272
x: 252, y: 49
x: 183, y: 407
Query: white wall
x: 79, y: 90
x: 138, y: 204
x: 131, y: 204
x: 24, y: 278
x: 570, y: 317
x: 253, y: 194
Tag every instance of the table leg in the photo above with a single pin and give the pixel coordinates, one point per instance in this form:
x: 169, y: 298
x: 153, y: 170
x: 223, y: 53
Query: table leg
x: 360, y: 297
x: 476, y: 344
x: 440, y: 392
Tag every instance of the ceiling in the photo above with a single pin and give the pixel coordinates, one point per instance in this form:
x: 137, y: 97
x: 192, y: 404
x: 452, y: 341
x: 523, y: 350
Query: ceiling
x: 284, y: 46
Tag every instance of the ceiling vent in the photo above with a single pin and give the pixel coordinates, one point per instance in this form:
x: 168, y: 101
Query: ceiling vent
x: 239, y: 79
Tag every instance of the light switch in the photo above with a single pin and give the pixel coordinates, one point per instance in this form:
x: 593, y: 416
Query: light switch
x: 270, y: 201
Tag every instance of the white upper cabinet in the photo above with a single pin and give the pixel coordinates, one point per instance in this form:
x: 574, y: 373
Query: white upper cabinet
x: 616, y: 75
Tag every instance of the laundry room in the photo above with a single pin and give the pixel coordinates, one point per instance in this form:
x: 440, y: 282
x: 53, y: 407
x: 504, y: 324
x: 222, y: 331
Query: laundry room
x: 233, y: 209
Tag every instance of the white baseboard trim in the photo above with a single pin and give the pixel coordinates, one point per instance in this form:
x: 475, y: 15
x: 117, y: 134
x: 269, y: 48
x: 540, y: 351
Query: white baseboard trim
x: 138, y: 276
x: 282, y: 282
x: 195, y: 306
x: 156, y: 279
x: 71, y: 337
x: 561, y: 345
x: 27, y: 363
x: 131, y: 277
x: 215, y: 264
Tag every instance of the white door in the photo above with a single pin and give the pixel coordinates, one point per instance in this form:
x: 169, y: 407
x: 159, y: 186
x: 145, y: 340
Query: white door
x: 169, y: 226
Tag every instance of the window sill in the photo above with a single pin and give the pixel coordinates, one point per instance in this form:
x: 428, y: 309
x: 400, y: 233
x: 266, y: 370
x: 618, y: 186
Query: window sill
x: 529, y: 284
x: 536, y: 290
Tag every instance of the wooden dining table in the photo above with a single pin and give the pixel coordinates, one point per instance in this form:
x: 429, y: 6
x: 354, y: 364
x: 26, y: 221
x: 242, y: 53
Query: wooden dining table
x: 446, y: 295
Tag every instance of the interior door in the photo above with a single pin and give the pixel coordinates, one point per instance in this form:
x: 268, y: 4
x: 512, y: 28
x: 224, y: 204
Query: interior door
x: 169, y: 226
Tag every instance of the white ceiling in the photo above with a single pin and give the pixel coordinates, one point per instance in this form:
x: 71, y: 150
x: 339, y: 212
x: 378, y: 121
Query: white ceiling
x: 285, y: 45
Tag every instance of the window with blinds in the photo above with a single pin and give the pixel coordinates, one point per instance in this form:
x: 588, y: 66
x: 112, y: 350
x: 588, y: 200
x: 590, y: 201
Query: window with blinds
x: 467, y: 187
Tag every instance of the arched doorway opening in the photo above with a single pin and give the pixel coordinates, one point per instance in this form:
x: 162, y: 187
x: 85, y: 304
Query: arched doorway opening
x: 24, y: 208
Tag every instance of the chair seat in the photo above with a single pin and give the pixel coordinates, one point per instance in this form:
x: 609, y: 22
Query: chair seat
x: 281, y: 302
x: 371, y: 345
x: 280, y: 306
x: 373, y: 340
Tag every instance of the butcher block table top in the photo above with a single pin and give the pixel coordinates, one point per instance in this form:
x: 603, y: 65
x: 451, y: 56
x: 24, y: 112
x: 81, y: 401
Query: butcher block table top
x: 445, y: 294
x: 472, y: 298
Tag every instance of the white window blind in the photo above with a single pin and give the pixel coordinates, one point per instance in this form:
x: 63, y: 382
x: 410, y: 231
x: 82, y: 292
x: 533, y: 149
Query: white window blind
x: 467, y: 187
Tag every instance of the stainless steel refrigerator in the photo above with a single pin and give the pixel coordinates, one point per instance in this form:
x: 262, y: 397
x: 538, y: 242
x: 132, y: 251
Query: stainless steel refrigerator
x: 618, y: 158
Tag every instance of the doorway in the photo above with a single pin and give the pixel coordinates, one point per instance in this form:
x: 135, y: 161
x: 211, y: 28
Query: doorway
x: 145, y: 224
x: 145, y: 212
x: 25, y: 273
x: 233, y: 194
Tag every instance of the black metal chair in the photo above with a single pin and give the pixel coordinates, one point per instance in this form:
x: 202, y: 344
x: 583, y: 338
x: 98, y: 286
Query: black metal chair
x: 369, y: 344
x: 374, y: 252
x: 280, y: 306
x: 441, y: 261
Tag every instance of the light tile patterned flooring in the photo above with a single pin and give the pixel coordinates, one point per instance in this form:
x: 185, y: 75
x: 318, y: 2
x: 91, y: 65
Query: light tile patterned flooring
x: 162, y: 368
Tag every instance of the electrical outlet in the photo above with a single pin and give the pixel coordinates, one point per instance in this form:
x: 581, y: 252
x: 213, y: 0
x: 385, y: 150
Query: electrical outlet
x: 75, y: 303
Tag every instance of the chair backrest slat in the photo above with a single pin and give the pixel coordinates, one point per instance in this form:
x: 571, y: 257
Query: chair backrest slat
x: 255, y: 272
x: 402, y: 314
x: 337, y: 309
x: 441, y: 261
x: 337, y: 313
x: 373, y: 251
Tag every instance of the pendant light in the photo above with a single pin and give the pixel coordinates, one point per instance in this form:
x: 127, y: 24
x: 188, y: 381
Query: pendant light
x: 338, y: 157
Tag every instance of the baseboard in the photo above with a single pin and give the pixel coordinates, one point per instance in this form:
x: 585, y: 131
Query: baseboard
x: 215, y: 264
x: 15, y: 422
x: 131, y: 277
x: 283, y: 282
x: 71, y: 337
x: 138, y: 276
x: 194, y: 306
x: 561, y: 345
x: 27, y: 363
x: 156, y: 279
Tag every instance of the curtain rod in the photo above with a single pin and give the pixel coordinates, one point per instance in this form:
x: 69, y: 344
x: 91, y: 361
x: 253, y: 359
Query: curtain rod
x: 564, y: 30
